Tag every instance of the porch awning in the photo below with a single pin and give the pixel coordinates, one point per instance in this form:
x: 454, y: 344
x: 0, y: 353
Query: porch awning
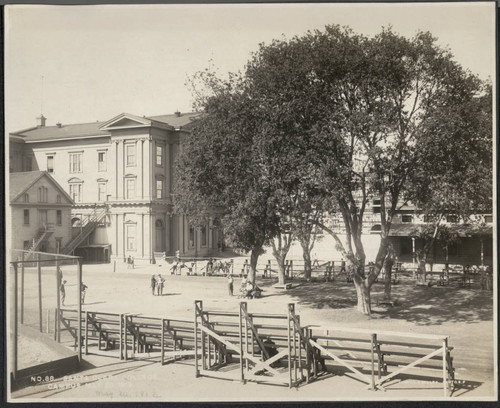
x: 462, y: 230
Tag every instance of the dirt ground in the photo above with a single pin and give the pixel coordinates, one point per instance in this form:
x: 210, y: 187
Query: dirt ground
x: 464, y: 314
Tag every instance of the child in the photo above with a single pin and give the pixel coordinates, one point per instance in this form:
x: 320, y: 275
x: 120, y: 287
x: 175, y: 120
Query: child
x: 62, y: 290
x: 230, y: 284
x: 159, y: 284
x: 83, y: 292
x: 153, y: 284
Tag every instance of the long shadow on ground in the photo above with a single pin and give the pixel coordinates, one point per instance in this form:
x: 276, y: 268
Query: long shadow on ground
x: 419, y: 304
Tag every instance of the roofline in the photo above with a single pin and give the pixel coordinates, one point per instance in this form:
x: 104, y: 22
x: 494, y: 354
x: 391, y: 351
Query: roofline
x: 44, y: 173
x: 69, y: 138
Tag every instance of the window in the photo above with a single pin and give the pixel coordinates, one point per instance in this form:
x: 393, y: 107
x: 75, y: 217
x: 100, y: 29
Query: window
x: 101, y: 161
x: 159, y: 188
x: 191, y: 237
x: 130, y: 185
x: 376, y: 207
x: 58, y: 198
x: 203, y: 236
x: 75, y: 162
x: 43, y: 194
x: 75, y: 192
x: 159, y: 155
x: 26, y: 245
x: 101, y: 187
x: 406, y: 218
x: 26, y: 217
x: 50, y: 164
x: 58, y: 245
x: 59, y: 217
x: 428, y: 218
x: 131, y: 230
x: 488, y: 219
x: 27, y: 165
x: 451, y: 218
x: 130, y: 148
x: 26, y: 198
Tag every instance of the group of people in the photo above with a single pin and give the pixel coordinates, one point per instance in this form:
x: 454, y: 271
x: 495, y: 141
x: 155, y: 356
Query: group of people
x: 248, y: 290
x: 157, y: 284
x: 62, y: 288
x: 218, y: 267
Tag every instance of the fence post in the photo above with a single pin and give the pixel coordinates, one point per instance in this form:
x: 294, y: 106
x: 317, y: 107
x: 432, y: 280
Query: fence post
x: 14, y: 343
x: 290, y: 308
x: 22, y: 288
x: 125, y: 329
x: 121, y: 337
x: 242, y: 373
x: 39, y: 291
x: 58, y: 294
x: 79, y: 294
x: 163, y: 341
x: 445, y: 381
x: 372, y: 342
x: 197, y: 304
x: 86, y: 332
x: 55, y: 324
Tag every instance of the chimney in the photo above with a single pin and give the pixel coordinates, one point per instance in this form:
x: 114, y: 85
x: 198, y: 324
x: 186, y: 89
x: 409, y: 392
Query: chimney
x: 40, y: 122
x: 178, y: 114
x: 59, y: 124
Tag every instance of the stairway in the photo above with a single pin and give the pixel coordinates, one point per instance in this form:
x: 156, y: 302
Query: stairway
x: 42, y: 235
x: 89, y: 224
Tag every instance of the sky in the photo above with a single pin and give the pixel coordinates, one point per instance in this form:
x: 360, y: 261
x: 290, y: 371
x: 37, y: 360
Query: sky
x: 78, y: 64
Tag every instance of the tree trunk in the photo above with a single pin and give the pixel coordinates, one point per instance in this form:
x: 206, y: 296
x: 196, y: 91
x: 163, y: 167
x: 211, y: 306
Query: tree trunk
x: 254, y: 257
x: 389, y: 261
x: 306, y: 255
x: 281, y: 269
x: 363, y: 294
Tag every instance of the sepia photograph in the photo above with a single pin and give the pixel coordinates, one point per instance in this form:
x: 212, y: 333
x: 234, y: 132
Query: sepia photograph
x: 249, y: 202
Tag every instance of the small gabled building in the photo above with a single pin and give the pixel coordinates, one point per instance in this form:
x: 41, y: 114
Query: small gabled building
x: 40, y: 212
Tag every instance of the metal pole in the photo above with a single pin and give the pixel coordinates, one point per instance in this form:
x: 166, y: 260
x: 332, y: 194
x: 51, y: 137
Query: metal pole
x: 14, y: 342
x: 48, y: 321
x: 125, y: 329
x: 39, y: 291
x: 79, y: 280
x: 22, y: 289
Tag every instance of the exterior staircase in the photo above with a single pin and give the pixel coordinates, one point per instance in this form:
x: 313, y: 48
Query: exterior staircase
x: 42, y: 235
x: 89, y: 224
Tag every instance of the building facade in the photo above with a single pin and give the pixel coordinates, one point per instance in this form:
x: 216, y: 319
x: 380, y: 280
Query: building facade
x: 40, y: 212
x: 120, y: 175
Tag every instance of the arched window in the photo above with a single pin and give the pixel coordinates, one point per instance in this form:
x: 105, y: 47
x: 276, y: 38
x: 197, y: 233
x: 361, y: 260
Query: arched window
x: 76, y: 222
x: 376, y: 229
x: 159, y: 224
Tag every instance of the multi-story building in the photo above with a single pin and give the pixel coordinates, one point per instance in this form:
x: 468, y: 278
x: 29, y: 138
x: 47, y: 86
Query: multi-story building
x: 40, y: 212
x: 120, y: 175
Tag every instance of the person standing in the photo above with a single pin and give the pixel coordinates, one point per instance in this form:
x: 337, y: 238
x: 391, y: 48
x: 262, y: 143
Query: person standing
x: 159, y: 284
x: 230, y: 284
x: 62, y: 291
x: 83, y: 291
x: 153, y: 284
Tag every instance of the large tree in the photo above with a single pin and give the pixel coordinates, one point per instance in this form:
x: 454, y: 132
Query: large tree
x: 219, y: 171
x: 345, y: 117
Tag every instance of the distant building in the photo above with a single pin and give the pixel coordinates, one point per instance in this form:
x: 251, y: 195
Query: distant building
x: 40, y: 211
x: 120, y: 175
x: 474, y: 245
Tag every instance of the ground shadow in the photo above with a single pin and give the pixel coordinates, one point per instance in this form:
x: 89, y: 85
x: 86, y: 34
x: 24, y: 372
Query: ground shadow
x: 421, y: 305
